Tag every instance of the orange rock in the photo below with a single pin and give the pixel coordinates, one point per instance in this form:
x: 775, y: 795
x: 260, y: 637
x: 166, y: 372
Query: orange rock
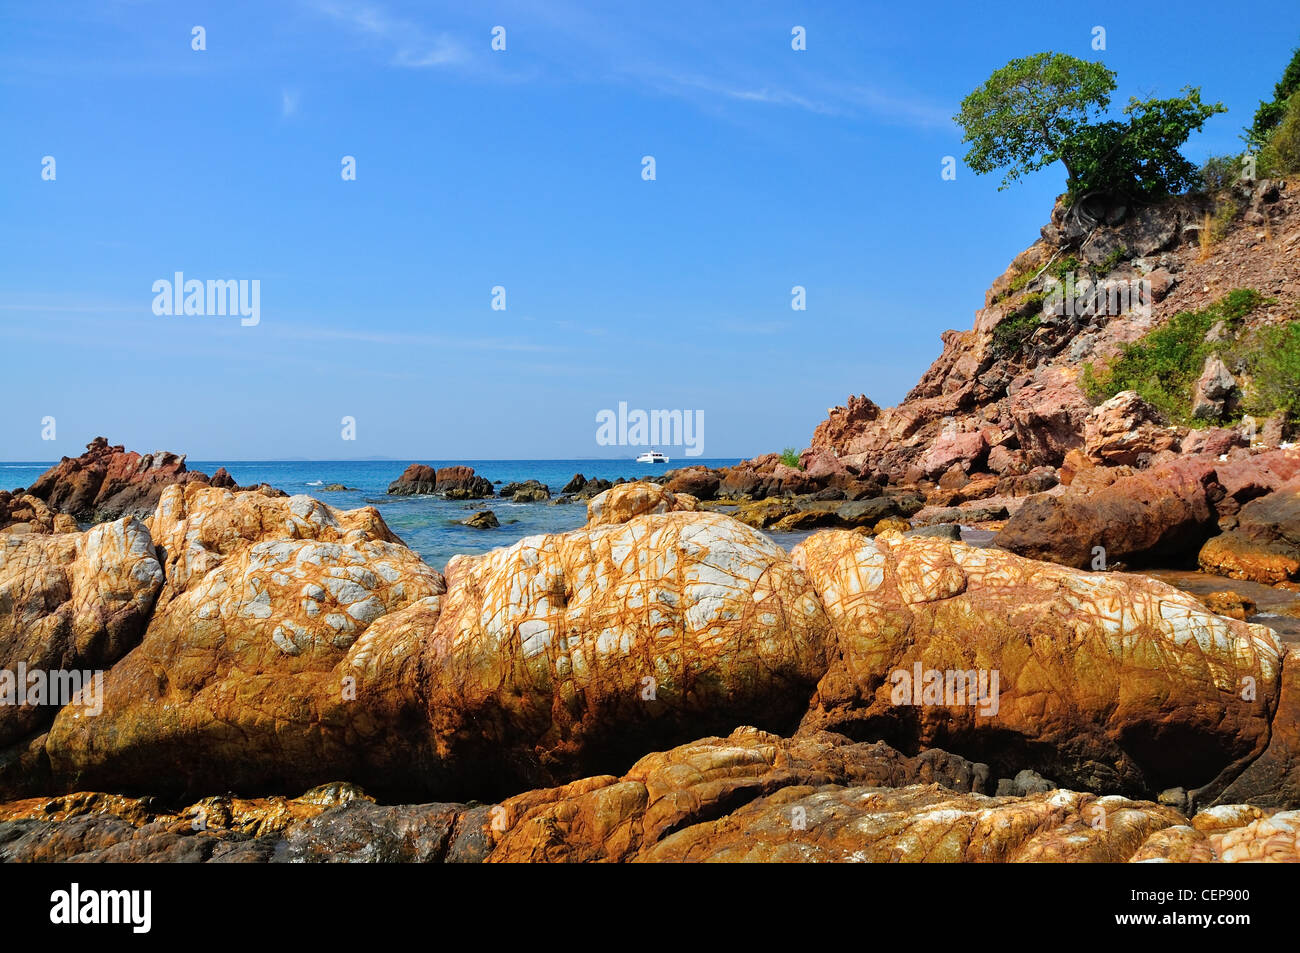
x: 566, y: 653
x: 1085, y: 677
x: 69, y: 603
x: 1229, y: 604
x: 621, y: 503
x: 255, y: 669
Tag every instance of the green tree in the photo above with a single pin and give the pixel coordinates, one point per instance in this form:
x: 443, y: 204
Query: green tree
x: 1025, y: 114
x: 1049, y: 107
x: 1139, y: 158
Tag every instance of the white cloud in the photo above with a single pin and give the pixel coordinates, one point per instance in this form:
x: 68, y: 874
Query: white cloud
x: 410, y: 45
x: 288, y: 102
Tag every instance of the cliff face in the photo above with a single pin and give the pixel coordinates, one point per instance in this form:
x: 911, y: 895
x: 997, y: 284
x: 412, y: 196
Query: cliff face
x: 1008, y: 391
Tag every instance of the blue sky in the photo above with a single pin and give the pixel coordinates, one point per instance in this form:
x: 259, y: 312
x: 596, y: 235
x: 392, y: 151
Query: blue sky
x: 522, y: 169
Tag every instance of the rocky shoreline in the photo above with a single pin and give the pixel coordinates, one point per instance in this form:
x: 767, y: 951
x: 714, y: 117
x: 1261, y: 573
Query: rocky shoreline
x: 946, y: 666
x: 263, y: 644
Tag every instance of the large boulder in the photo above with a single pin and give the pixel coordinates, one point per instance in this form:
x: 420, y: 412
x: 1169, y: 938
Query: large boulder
x: 71, y: 605
x: 951, y: 448
x: 455, y: 483
x: 1273, y: 779
x: 1213, y: 388
x: 618, y: 819
x: 1162, y: 514
x: 699, y: 482
x: 579, y: 651
x: 1102, y: 681
x: 1047, y: 411
x: 258, y: 670
x: 918, y: 824
x: 526, y: 491
x: 197, y: 527
x: 1126, y: 430
x: 1265, y: 544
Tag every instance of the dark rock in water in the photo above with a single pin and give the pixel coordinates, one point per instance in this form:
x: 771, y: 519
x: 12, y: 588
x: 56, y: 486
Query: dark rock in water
x: 699, y: 482
x: 417, y: 479
x: 223, y: 479
x: 866, y: 512
x: 337, y: 488
x: 484, y: 519
x: 455, y: 483
x: 576, y: 484
x: 529, y: 491
x: 592, y: 488
x: 950, y: 531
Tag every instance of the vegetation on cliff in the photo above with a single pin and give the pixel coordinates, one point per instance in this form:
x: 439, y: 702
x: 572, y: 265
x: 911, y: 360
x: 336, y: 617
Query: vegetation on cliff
x: 1051, y: 107
x: 1163, y: 366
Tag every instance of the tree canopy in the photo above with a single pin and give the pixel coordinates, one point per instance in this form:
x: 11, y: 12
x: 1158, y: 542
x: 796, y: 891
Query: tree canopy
x: 1049, y: 107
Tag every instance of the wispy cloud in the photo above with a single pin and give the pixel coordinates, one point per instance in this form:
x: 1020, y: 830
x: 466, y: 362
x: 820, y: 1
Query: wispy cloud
x: 288, y: 102
x: 769, y: 95
x: 410, y: 46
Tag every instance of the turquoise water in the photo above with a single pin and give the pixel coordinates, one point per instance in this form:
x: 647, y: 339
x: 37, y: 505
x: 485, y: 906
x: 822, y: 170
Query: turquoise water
x: 429, y: 525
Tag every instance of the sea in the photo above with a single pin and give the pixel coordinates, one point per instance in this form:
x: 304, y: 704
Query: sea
x: 429, y: 525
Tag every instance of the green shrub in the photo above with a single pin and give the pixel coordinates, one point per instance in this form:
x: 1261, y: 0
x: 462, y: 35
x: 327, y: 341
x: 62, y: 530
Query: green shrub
x: 1111, y: 260
x: 1163, y: 365
x: 1274, y: 366
x: 1281, y: 154
x: 790, y: 457
x: 1064, y: 267
x: 1011, y: 336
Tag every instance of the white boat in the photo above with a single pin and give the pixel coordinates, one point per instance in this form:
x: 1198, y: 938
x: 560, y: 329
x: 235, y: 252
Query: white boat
x: 652, y: 456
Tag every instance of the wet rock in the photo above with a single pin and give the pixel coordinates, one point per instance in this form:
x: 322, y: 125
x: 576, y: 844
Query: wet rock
x: 1265, y: 544
x: 484, y: 519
